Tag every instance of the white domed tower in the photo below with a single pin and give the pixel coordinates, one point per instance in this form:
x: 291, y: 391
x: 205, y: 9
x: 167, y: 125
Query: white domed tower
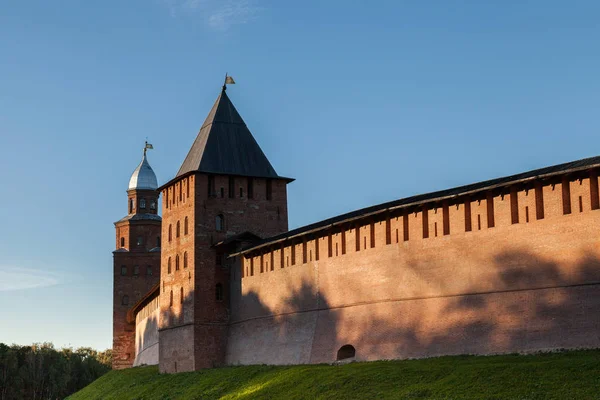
x: 136, y: 265
x: 143, y: 197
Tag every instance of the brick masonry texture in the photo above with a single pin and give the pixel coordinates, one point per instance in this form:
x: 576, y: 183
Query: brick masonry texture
x: 506, y: 265
x: 135, y: 270
x: 515, y: 269
x: 189, y: 305
x: 146, y: 334
x: 526, y: 277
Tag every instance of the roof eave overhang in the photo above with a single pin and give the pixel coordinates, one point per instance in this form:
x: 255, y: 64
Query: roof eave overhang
x: 185, y: 175
x: 134, y: 221
x: 142, y: 189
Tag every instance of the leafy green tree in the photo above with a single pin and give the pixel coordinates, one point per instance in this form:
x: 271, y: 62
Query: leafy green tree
x: 40, y: 371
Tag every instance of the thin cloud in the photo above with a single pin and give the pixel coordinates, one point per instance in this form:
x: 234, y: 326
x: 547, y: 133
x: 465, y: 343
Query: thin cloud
x: 217, y: 14
x: 13, y: 278
x: 232, y: 13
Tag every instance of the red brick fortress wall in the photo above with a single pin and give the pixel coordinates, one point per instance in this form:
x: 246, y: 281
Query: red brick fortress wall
x: 193, y: 328
x: 136, y: 268
x: 516, y: 269
x: 176, y: 348
x: 134, y: 284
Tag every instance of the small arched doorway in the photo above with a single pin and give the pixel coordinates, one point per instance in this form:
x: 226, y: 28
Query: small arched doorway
x: 345, y: 352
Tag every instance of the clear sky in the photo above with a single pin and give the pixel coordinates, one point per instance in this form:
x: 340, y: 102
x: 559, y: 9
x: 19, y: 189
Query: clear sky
x: 361, y: 101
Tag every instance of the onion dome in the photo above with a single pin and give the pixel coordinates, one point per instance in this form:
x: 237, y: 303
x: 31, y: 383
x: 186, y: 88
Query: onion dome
x: 143, y: 178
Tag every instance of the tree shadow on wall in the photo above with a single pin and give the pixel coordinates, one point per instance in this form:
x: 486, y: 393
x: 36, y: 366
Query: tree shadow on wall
x: 257, y: 331
x: 278, y: 330
x: 524, y: 303
x: 147, y: 342
x: 521, y: 303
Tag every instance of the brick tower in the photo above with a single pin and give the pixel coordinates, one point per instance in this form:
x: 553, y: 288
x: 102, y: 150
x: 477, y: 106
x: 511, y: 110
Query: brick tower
x: 225, y: 190
x: 136, y: 265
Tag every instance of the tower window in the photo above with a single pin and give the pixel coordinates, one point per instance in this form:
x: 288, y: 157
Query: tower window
x: 149, y: 270
x: 131, y: 206
x: 250, y: 188
x: 123, y: 270
x: 136, y: 270
x: 143, y: 203
x: 170, y: 232
x: 269, y: 189
x: 122, y: 242
x: 178, y: 229
x: 181, y: 296
x: 222, y: 192
x: 171, y: 299
x: 169, y: 266
x: 219, y: 292
x: 185, y: 260
x: 140, y: 241
x: 153, y: 205
x: 219, y: 222
x: 241, y: 192
x: 125, y: 300
x: 185, y: 226
x: 231, y: 190
x: 177, y: 263
x: 158, y: 241
x: 211, y: 186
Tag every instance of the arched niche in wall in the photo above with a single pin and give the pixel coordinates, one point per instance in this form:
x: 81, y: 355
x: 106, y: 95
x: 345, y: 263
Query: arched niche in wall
x: 345, y: 352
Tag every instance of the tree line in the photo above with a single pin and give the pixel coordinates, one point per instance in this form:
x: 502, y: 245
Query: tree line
x: 41, y: 372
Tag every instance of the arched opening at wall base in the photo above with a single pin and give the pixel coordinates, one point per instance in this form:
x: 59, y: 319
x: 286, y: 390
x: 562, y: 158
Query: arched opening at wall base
x: 345, y: 352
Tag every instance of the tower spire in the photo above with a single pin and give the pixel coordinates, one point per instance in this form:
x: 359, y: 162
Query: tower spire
x: 226, y: 146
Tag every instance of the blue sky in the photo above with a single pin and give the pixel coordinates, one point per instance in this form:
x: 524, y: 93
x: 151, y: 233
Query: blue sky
x: 361, y: 102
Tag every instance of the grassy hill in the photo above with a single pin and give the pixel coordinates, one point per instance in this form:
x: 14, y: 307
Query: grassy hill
x: 565, y: 375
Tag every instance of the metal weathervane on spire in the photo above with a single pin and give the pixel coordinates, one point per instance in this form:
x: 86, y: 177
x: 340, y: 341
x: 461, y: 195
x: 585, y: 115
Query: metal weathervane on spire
x: 228, y: 81
x: 147, y: 146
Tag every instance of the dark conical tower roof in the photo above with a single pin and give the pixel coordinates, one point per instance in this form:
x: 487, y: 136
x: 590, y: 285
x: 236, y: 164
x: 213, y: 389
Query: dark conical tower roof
x: 225, y: 146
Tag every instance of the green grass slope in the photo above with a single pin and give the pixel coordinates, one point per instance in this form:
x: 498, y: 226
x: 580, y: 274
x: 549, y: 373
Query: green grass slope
x: 565, y: 375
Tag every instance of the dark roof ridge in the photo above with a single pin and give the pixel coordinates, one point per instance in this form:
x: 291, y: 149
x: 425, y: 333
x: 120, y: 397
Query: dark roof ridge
x: 567, y: 167
x: 140, y: 217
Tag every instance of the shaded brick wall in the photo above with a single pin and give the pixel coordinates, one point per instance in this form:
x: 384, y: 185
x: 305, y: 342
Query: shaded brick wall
x: 134, y: 287
x: 146, y: 334
x: 177, y: 313
x: 202, y: 318
x: 504, y: 271
x: 142, y: 273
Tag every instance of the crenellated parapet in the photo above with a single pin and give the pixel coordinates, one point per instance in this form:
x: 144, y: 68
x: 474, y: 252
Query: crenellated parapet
x: 508, y: 265
x: 543, y: 194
